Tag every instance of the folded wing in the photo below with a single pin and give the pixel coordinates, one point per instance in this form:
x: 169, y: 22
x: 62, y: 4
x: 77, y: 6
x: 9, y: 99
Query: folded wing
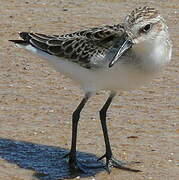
x: 79, y: 47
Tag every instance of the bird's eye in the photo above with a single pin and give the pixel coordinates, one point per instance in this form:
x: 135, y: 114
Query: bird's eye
x: 146, y: 28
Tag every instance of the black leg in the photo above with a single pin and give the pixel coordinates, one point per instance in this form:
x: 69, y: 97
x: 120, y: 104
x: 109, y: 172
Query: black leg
x: 75, y: 167
x: 102, y: 114
x: 110, y: 160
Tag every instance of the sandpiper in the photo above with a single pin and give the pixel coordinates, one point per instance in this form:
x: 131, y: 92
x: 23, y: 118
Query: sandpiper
x: 112, y: 57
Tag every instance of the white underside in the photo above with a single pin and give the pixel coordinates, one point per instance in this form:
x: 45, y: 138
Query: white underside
x: 120, y: 76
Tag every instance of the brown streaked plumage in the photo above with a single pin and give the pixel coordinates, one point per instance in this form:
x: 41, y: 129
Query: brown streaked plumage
x: 140, y: 14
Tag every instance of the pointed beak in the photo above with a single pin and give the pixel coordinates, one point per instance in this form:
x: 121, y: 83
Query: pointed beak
x: 120, y: 46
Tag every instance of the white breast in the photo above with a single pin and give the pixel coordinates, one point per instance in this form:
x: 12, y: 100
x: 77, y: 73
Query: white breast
x: 154, y: 55
x: 147, y: 61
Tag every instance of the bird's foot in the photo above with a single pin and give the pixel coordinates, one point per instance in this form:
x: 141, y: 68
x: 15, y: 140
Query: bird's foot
x: 112, y: 162
x: 75, y: 166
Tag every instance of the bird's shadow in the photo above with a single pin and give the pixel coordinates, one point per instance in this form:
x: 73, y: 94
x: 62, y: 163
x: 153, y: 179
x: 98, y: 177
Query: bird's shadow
x: 46, y: 161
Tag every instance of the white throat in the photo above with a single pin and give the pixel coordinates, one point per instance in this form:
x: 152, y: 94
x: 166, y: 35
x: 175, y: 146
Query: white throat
x: 154, y: 54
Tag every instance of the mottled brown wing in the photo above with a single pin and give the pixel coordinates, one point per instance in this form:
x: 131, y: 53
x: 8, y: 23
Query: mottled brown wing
x: 78, y: 47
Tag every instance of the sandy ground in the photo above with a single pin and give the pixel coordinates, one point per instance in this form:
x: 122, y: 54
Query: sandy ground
x: 36, y: 102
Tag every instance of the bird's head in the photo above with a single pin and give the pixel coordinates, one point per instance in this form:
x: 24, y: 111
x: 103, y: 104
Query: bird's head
x: 143, y: 24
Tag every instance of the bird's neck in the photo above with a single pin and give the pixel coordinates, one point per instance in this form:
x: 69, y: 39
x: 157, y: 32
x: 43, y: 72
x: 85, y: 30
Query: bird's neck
x: 154, y: 54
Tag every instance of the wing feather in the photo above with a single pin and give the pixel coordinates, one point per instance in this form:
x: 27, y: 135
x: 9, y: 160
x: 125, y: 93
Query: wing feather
x: 78, y: 47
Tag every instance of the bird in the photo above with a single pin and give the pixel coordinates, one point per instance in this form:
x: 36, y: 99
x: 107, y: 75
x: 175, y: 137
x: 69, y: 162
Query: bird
x: 118, y: 57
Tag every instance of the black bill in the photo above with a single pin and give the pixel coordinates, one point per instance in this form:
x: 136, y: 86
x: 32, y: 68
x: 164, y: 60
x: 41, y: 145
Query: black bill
x: 121, y: 45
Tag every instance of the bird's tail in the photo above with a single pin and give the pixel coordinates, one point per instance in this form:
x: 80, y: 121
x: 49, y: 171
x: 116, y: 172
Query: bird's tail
x: 24, y: 41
